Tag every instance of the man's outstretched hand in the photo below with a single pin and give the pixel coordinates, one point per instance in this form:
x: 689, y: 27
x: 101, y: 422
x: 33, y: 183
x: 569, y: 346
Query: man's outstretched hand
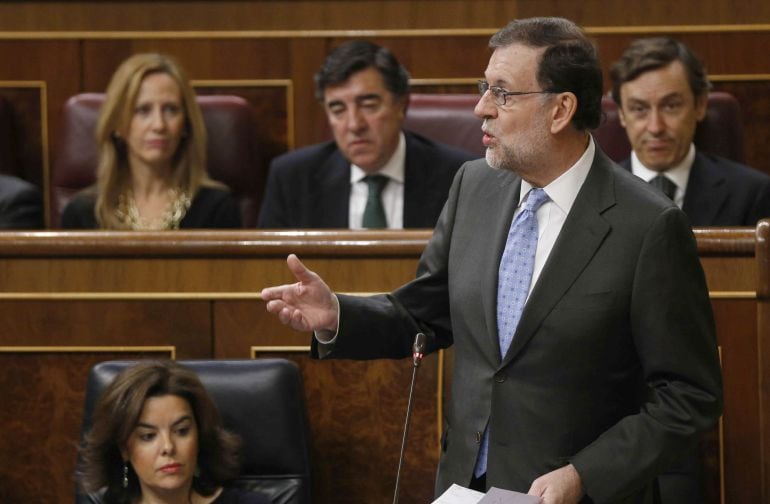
x: 307, y: 305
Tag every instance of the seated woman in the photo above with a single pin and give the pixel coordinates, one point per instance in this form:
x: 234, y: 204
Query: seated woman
x: 157, y: 437
x: 152, y: 157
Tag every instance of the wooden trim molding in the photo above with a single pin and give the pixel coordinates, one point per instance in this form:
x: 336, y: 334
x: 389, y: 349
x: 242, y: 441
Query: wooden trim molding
x: 171, y: 350
x: 411, y: 33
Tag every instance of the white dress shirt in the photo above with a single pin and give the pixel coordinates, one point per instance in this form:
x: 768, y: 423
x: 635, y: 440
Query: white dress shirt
x: 552, y: 214
x: 678, y: 174
x: 392, y: 194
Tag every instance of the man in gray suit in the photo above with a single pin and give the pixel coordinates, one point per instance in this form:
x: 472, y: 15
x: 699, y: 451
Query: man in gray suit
x: 661, y: 89
x: 612, y: 370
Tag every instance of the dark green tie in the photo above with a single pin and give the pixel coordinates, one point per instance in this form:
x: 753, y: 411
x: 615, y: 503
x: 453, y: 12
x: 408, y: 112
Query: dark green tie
x: 664, y: 184
x: 374, y: 213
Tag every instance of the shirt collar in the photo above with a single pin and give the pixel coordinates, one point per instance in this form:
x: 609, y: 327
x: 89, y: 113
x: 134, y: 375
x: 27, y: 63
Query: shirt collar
x: 678, y: 174
x: 393, y: 169
x: 564, y: 190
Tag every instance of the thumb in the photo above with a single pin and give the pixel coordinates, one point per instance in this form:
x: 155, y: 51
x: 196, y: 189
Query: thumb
x: 298, y: 269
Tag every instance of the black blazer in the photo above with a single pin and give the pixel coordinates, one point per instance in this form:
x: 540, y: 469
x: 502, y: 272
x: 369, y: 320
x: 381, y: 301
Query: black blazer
x: 310, y: 187
x: 721, y: 192
x: 21, y: 205
x: 613, y: 366
x: 211, y: 208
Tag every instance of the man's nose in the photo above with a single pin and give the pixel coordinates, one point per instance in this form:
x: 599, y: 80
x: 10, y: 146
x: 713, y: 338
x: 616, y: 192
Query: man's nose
x: 356, y: 119
x: 655, y: 122
x: 485, y: 106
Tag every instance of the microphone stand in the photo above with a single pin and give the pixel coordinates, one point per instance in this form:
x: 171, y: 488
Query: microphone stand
x: 418, y: 352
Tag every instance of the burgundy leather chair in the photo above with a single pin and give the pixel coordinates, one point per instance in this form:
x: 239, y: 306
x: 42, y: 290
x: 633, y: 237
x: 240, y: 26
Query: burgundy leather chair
x: 446, y: 118
x: 720, y: 133
x: 233, y: 156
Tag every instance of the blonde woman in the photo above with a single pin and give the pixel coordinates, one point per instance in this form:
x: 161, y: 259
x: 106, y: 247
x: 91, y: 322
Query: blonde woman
x: 152, y: 157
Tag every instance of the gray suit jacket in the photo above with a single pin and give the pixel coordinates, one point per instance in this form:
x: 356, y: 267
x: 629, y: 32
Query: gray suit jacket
x: 613, y: 366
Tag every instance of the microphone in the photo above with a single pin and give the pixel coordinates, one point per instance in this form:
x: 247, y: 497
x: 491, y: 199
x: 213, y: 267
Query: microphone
x: 418, y: 352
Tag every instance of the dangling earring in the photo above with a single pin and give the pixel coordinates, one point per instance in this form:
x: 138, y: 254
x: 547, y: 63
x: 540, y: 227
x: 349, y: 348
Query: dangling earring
x: 125, y: 475
x: 197, y: 472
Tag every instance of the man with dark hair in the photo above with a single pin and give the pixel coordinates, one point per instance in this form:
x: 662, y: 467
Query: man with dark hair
x: 373, y: 175
x: 585, y: 354
x: 661, y: 89
x: 21, y: 206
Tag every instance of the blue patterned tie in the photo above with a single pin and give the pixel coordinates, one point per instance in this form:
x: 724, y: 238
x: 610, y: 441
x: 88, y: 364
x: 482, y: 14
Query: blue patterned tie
x: 514, y: 278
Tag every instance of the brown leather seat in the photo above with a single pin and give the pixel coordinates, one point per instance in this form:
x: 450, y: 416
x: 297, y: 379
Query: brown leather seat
x: 446, y: 118
x: 233, y: 156
x: 720, y: 132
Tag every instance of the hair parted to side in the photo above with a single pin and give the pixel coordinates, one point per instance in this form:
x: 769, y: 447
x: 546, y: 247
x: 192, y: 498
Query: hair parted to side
x: 356, y: 55
x: 647, y: 54
x: 113, y: 173
x: 117, y: 412
x: 568, y: 64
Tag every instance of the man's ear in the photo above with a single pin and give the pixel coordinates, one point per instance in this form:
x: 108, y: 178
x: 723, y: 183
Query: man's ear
x: 701, y: 104
x: 563, y: 110
x: 621, y: 116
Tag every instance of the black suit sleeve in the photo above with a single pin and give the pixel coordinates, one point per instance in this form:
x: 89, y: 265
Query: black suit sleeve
x: 276, y: 204
x: 21, y: 208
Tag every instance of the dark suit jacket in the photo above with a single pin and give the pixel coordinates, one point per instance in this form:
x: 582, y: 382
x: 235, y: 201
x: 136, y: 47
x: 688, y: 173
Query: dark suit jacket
x: 310, y: 187
x: 21, y: 206
x: 212, y: 208
x: 721, y: 192
x: 613, y: 366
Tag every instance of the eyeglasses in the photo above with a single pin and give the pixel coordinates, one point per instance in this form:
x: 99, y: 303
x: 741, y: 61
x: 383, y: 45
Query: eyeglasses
x: 499, y: 94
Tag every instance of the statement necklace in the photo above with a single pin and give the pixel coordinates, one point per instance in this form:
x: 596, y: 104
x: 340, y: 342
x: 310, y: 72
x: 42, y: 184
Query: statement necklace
x: 128, y: 213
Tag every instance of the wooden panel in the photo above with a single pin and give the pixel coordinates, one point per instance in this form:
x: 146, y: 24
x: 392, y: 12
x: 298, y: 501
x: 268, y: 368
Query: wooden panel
x: 736, y: 322
x: 43, y: 394
x: 198, y: 292
x: 360, y: 14
x: 342, y: 394
x: 262, y: 15
x: 183, y: 325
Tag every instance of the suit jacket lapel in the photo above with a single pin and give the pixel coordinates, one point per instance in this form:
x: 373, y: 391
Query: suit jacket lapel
x: 330, y: 195
x: 706, y: 192
x: 505, y: 197
x: 580, y: 237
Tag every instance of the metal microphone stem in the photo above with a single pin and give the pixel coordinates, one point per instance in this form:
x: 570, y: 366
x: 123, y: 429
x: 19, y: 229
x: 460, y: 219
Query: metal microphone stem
x: 416, y: 360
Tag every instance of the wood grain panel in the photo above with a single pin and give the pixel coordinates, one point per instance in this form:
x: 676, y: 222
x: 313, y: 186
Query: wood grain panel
x: 736, y: 322
x: 183, y: 325
x: 262, y: 15
x: 43, y: 395
x: 204, y: 273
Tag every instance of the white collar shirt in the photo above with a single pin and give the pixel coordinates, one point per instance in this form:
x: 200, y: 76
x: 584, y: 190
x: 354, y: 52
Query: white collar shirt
x: 392, y: 194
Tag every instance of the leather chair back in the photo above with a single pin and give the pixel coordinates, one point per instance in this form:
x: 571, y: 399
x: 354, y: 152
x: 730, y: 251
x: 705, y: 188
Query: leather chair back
x: 262, y: 401
x: 232, y: 153
x: 446, y: 118
x: 720, y: 133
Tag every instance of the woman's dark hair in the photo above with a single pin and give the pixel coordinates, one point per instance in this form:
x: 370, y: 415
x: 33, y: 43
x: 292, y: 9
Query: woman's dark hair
x: 646, y: 54
x: 117, y: 413
x: 355, y: 56
x: 568, y: 64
